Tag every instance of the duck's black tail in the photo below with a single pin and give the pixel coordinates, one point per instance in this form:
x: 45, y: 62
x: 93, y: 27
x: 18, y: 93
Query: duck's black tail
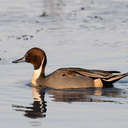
x: 116, y: 78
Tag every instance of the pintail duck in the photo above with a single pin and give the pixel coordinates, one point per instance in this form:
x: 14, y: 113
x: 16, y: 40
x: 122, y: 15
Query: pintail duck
x: 67, y: 78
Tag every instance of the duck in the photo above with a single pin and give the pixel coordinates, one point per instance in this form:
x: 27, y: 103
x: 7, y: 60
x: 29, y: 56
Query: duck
x: 69, y: 77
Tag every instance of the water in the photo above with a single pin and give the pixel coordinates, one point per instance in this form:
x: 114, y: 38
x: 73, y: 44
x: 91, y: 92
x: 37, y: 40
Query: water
x: 73, y: 33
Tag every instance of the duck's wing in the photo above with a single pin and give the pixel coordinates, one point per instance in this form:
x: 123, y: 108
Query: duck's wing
x: 92, y: 73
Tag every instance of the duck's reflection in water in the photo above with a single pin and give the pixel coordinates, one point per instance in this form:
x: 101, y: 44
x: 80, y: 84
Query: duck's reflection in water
x: 87, y: 95
x: 38, y: 108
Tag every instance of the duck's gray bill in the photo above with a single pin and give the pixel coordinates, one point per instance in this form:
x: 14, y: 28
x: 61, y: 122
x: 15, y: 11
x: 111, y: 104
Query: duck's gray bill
x: 19, y: 60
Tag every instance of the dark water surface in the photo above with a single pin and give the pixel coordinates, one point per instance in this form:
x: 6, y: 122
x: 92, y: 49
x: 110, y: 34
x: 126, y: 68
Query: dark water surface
x: 83, y: 33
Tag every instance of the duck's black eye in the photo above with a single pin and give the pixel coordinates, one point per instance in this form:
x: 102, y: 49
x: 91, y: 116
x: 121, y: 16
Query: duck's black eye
x: 29, y: 55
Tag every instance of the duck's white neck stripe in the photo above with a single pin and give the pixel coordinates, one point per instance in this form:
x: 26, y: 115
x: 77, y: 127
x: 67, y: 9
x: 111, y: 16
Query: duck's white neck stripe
x: 36, y: 73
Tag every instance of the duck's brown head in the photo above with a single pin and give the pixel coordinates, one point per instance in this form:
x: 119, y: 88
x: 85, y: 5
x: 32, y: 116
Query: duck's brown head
x: 35, y: 56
